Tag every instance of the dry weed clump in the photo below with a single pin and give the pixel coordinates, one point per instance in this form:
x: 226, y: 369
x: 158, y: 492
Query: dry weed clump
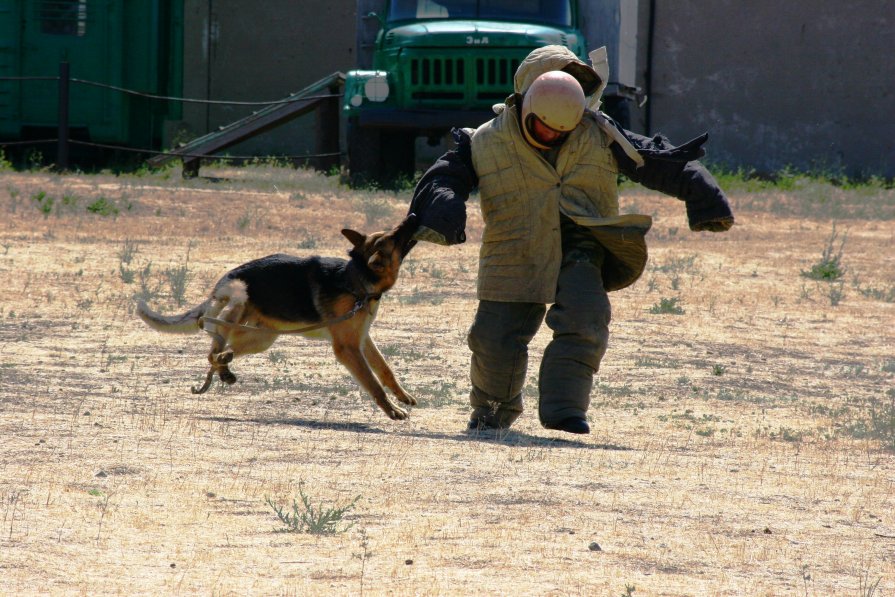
x: 745, y: 446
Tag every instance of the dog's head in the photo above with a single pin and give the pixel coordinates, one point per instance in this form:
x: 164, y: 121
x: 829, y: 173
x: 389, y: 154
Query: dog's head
x: 383, y: 252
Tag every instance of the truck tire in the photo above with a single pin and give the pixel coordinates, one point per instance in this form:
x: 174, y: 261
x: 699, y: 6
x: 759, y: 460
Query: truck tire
x: 398, y: 153
x: 363, y: 154
x: 379, y: 157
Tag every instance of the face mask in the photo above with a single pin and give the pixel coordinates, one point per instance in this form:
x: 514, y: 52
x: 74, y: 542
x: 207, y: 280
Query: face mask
x: 534, y: 126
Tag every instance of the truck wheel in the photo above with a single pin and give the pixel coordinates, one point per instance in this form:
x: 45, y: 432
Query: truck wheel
x: 377, y: 156
x: 363, y: 154
x: 398, y: 157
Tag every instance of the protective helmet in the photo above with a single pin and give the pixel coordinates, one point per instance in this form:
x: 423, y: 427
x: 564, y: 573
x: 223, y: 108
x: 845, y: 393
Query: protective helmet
x: 557, y: 100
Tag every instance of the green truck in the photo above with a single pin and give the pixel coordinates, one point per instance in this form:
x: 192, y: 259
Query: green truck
x: 436, y: 65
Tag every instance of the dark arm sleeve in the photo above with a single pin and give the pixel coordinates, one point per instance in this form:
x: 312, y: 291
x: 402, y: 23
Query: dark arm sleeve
x: 675, y: 171
x: 439, y: 200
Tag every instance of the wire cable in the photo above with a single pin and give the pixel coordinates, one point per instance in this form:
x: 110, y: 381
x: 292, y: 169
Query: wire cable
x: 35, y: 142
x: 288, y: 100
x: 206, y: 156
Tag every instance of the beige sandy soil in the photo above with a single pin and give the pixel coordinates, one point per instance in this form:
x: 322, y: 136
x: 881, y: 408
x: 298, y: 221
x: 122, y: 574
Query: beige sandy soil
x: 739, y: 448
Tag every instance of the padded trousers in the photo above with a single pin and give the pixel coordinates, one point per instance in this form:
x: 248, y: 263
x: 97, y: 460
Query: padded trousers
x: 501, y: 332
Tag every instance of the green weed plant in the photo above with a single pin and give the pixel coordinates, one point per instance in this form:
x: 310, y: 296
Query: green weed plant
x: 308, y: 518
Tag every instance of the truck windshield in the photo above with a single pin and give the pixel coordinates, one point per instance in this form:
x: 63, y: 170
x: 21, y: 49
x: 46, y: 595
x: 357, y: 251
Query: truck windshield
x: 548, y: 12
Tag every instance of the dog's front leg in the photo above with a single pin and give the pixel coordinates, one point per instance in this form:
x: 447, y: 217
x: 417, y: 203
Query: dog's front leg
x: 350, y: 355
x: 384, y: 372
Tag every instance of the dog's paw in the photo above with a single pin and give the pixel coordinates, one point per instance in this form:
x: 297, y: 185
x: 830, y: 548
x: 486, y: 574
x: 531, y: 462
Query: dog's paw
x: 406, y: 398
x: 396, y: 413
x: 227, y: 376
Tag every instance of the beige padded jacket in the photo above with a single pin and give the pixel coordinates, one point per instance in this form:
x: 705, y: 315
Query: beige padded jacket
x: 522, y: 194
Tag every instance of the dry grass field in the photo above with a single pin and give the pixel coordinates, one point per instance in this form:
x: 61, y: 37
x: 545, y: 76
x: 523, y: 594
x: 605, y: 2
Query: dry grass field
x: 743, y: 420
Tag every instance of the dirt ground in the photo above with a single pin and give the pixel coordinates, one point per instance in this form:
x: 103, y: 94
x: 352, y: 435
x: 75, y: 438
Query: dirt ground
x: 745, y: 446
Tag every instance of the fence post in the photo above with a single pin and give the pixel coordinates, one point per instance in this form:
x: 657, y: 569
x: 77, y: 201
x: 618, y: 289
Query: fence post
x: 62, y: 142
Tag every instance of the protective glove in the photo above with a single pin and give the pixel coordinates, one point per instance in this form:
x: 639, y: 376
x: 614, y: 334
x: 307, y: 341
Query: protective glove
x: 439, y: 199
x: 675, y: 171
x: 661, y: 149
x: 440, y: 204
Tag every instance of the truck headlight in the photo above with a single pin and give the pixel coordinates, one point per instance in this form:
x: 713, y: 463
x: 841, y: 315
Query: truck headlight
x: 375, y: 89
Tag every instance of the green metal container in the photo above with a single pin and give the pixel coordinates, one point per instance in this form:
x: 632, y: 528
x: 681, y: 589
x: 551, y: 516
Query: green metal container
x: 130, y: 44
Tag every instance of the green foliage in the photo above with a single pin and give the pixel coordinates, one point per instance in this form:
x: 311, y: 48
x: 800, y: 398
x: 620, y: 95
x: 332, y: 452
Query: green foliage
x: 678, y: 265
x: 147, y: 292
x: 830, y: 267
x: 178, y: 278
x: 127, y: 252
x: 878, y: 423
x: 885, y: 294
x: 441, y: 394
x: 749, y: 180
x: 667, y: 306
x: 127, y: 274
x: 103, y: 207
x: 44, y: 202
x: 276, y: 357
x: 810, y: 193
x: 69, y: 200
x: 308, y: 518
x: 125, y: 257
x: 34, y: 158
x: 307, y: 244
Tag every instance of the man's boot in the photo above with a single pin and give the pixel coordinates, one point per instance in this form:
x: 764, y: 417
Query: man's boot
x: 488, y: 413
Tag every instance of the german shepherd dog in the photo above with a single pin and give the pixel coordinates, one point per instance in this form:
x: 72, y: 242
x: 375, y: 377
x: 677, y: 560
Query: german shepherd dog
x: 323, y: 297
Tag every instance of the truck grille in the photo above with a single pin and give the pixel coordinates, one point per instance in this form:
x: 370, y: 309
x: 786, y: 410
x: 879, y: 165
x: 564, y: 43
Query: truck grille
x: 494, y: 77
x: 437, y: 79
x: 459, y: 81
x: 437, y: 71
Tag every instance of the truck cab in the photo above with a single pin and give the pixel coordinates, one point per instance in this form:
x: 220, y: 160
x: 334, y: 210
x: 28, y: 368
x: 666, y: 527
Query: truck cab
x: 437, y: 65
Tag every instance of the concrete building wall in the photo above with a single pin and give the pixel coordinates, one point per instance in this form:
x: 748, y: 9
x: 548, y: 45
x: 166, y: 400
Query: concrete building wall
x: 241, y: 51
x: 805, y: 83
x: 808, y: 83
x: 613, y: 23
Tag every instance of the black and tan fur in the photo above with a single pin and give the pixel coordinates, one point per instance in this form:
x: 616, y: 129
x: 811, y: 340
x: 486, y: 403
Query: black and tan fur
x: 278, y: 294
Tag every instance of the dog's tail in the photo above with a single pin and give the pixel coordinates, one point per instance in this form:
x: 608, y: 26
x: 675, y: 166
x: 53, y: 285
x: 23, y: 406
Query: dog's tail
x: 185, y: 323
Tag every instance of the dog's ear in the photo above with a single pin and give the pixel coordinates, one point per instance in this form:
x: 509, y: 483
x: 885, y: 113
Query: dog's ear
x: 356, y: 238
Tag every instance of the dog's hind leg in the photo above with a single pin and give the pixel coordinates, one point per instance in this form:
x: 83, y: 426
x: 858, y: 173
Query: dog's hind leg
x: 219, y: 356
x: 384, y: 372
x: 216, y: 367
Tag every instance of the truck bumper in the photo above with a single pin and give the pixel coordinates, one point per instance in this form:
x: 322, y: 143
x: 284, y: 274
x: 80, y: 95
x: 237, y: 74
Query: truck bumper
x: 422, y: 120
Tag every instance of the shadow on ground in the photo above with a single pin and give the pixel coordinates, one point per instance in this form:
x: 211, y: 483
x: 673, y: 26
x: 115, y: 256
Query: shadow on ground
x: 506, y: 438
